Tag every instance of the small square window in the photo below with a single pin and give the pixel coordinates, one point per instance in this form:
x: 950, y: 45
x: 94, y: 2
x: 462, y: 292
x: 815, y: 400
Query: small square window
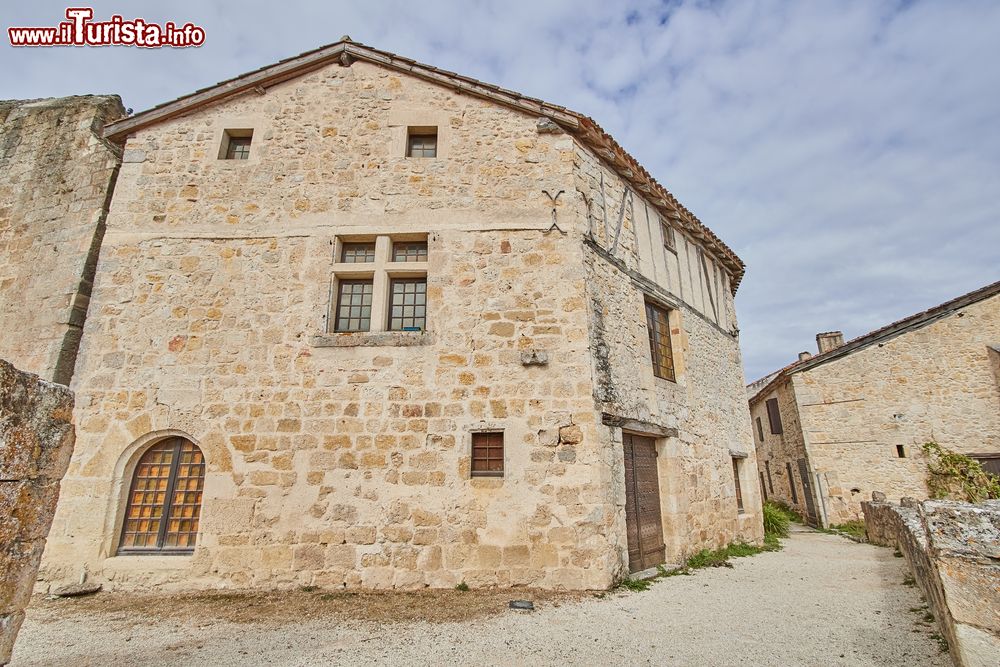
x: 236, y: 144
x: 407, y: 304
x: 669, y: 241
x: 357, y: 253
x: 409, y: 251
x: 354, y: 305
x: 487, y: 454
x: 900, y: 451
x: 421, y: 142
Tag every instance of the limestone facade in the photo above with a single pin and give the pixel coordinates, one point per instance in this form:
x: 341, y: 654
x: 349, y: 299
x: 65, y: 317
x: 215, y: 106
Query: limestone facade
x: 58, y: 173
x: 859, y: 414
x: 344, y: 459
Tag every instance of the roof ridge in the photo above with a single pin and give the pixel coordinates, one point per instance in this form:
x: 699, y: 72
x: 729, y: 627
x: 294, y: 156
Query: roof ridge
x: 923, y: 317
x: 588, y: 131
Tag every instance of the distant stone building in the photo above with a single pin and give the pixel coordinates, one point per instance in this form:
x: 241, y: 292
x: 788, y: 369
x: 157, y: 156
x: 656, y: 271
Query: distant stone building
x: 358, y: 321
x: 832, y: 428
x: 57, y: 172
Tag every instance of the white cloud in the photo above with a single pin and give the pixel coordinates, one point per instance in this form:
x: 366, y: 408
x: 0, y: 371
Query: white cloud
x: 846, y: 150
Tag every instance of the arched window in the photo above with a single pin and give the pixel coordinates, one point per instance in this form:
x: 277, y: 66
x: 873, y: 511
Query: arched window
x: 164, y: 501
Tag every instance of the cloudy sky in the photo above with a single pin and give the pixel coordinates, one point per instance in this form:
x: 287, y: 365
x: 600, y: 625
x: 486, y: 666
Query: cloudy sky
x: 848, y: 151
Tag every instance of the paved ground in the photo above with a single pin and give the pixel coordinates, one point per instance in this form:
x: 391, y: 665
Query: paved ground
x: 823, y: 600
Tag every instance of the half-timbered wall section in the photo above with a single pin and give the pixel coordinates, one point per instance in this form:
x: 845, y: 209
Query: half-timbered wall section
x: 699, y: 419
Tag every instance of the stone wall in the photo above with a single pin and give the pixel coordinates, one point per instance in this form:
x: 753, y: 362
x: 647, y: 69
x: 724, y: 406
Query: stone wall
x: 933, y: 383
x: 705, y: 403
x: 779, y: 453
x: 953, y: 550
x: 36, y: 440
x: 344, y: 460
x: 56, y: 178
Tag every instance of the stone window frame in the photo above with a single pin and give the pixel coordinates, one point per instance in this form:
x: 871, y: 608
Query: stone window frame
x: 488, y: 430
x: 402, y: 121
x: 192, y: 500
x: 254, y: 124
x: 420, y: 134
x: 381, y: 272
x: 121, y: 485
x: 236, y: 135
x: 738, y: 485
x: 673, y: 323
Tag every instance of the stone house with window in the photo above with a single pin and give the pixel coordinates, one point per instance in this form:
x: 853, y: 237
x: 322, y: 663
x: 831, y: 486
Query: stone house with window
x: 833, y: 427
x: 358, y: 321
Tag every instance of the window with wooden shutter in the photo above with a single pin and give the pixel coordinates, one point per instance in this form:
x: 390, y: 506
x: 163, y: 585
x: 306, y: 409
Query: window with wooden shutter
x: 774, y: 416
x: 487, y: 454
x: 669, y: 242
x: 760, y: 430
x: 739, y: 490
x: 164, y: 501
x: 660, y: 348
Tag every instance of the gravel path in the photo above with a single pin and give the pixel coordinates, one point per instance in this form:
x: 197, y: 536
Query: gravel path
x: 822, y: 600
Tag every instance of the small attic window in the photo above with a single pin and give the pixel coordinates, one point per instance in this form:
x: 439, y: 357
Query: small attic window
x: 235, y: 144
x: 421, y: 142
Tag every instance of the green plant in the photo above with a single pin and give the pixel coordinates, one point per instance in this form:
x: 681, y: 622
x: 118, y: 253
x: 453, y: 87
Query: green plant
x: 464, y: 587
x: 908, y: 580
x: 636, y: 585
x: 776, y: 520
x: 942, y: 642
x: 853, y: 528
x: 789, y: 511
x: 956, y: 476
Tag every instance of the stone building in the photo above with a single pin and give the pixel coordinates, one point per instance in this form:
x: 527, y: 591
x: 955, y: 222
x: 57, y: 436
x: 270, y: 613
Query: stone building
x: 359, y: 321
x: 834, y: 427
x: 57, y: 172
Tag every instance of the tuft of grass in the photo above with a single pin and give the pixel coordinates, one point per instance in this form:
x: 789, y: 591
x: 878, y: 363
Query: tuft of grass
x: 897, y: 553
x: 908, y: 580
x: 776, y: 520
x: 636, y: 585
x: 464, y: 587
x: 308, y: 589
x: 942, y: 642
x: 853, y: 528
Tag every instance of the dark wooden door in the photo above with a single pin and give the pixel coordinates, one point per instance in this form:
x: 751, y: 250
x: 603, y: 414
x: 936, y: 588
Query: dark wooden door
x: 642, y: 504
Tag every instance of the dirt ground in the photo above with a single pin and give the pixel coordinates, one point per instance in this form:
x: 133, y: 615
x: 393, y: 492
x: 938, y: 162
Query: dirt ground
x: 822, y: 600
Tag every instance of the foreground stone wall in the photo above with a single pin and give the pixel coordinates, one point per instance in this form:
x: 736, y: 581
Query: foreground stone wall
x: 933, y: 383
x: 56, y: 178
x: 36, y: 441
x: 953, y: 550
